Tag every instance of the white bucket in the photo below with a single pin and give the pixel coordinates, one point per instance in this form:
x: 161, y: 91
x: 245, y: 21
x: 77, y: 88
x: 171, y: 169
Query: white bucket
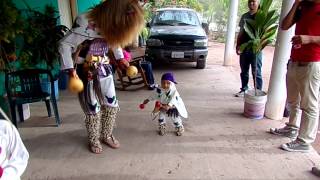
x: 254, y: 105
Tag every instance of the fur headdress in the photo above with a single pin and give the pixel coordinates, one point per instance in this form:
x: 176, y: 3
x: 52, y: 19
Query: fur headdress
x: 118, y: 21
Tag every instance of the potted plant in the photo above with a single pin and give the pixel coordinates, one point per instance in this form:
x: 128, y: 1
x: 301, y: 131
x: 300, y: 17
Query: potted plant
x: 41, y: 36
x: 11, y: 25
x: 262, y: 31
x: 28, y: 39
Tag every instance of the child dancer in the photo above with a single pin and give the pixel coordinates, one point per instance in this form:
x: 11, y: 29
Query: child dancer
x: 170, y: 104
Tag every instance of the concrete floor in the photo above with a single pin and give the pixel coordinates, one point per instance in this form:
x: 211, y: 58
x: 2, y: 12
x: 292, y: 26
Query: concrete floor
x: 219, y: 142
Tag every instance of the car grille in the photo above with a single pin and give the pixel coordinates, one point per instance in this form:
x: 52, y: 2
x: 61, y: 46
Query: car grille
x: 182, y: 43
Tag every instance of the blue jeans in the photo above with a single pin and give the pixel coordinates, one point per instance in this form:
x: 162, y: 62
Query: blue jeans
x: 147, y: 67
x: 248, y: 59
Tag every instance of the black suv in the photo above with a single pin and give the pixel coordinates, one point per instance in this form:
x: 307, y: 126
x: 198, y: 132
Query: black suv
x: 176, y: 34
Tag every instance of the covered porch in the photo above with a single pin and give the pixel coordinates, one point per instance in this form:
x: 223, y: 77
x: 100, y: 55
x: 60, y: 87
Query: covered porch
x: 219, y: 142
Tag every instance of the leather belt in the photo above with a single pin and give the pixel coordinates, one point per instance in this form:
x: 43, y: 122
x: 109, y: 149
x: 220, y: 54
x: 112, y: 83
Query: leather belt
x: 301, y: 63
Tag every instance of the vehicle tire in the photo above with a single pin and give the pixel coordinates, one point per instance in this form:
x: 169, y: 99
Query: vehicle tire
x: 201, y: 64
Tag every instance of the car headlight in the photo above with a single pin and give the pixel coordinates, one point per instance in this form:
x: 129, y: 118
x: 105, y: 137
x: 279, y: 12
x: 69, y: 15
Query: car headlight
x: 154, y: 42
x: 201, y: 43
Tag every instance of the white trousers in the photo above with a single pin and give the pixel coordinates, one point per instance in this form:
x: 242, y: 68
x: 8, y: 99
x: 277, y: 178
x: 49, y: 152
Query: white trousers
x: 303, y: 83
x: 176, y: 120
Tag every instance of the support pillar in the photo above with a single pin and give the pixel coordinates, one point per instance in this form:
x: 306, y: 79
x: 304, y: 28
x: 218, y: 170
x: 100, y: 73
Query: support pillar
x: 231, y: 30
x: 277, y: 85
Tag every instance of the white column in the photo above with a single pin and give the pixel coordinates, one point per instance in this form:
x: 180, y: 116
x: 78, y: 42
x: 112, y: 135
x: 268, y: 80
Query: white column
x: 231, y: 30
x: 65, y: 13
x: 277, y: 84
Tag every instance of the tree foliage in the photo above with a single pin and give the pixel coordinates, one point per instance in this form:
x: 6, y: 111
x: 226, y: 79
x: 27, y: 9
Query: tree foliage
x: 216, y: 12
x: 28, y: 36
x: 11, y: 25
x: 155, y: 4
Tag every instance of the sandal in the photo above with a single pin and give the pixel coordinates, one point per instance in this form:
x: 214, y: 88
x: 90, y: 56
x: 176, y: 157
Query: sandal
x: 95, y: 148
x: 162, y: 129
x: 179, y: 130
x: 112, y: 142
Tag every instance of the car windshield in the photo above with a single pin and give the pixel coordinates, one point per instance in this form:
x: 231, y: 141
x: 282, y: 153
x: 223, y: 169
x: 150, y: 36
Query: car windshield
x: 175, y: 18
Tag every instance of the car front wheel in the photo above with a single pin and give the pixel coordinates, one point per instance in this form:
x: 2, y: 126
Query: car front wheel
x: 201, y: 64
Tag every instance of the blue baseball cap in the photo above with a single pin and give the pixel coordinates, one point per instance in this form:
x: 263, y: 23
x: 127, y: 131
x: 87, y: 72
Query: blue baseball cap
x: 169, y: 77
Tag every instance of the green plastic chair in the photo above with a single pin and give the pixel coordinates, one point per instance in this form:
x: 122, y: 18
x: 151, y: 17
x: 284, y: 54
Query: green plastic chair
x: 24, y: 86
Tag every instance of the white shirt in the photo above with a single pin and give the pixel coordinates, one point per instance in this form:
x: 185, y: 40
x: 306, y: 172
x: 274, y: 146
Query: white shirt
x: 14, y: 155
